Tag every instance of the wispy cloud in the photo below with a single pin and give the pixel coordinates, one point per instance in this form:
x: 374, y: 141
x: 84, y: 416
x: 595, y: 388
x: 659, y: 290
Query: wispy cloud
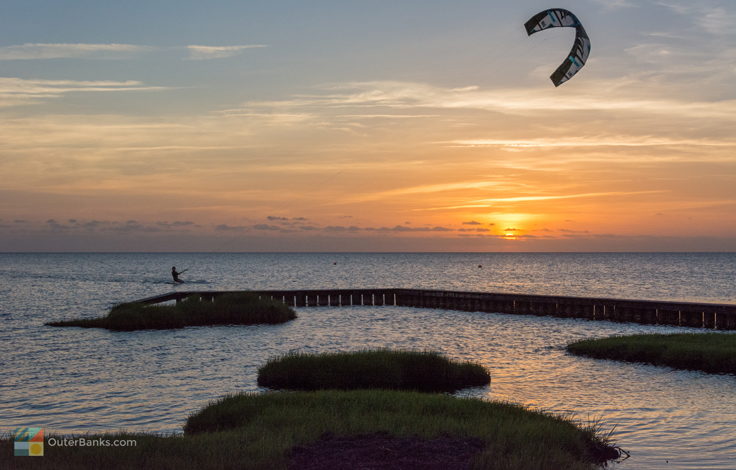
x: 717, y: 20
x: 273, y: 118
x: 33, y: 51
x: 623, y: 141
x: 424, y: 189
x: 565, y: 196
x: 41, y: 51
x: 412, y: 95
x: 490, y: 202
x: 615, y: 4
x: 709, y: 16
x: 218, y: 52
x: 19, y: 91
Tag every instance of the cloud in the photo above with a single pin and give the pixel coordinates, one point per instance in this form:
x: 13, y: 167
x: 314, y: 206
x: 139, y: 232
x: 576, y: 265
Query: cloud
x: 218, y: 52
x: 566, y: 196
x: 127, y: 226
x: 31, y: 51
x: 608, y: 141
x: 266, y: 227
x: 273, y: 118
x: 402, y: 228
x: 132, y: 226
x: 230, y: 228
x: 717, y: 21
x: 98, y: 231
x: 251, y: 228
x: 43, y: 51
x: 287, y: 223
x: 707, y: 16
x: 178, y: 224
x: 355, y: 228
x: 615, y: 4
x: 472, y: 222
x: 340, y: 228
x: 573, y: 233
x: 425, y: 189
x: 623, y: 94
x: 20, y: 91
x: 489, y: 202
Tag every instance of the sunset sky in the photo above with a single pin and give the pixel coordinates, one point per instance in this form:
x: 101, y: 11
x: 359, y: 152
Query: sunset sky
x: 365, y: 126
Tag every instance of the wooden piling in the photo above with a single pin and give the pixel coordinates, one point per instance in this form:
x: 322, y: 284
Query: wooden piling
x: 698, y: 315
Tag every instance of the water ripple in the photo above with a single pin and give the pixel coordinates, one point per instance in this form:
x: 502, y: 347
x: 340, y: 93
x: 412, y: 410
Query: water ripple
x: 79, y: 380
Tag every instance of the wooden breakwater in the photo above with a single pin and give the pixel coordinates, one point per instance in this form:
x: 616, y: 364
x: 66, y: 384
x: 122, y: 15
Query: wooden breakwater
x: 648, y: 312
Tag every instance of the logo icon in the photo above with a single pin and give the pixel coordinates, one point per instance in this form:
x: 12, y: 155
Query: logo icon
x: 28, y: 442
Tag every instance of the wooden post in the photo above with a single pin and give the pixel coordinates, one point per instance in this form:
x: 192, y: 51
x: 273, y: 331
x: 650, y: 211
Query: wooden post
x: 716, y: 316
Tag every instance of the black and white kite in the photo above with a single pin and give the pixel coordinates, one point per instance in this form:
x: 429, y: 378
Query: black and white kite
x: 561, y: 18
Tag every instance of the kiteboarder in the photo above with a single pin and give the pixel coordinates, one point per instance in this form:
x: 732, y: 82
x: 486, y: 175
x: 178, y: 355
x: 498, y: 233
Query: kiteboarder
x: 175, y: 274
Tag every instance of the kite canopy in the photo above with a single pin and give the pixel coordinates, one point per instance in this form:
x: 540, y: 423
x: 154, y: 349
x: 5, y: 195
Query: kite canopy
x: 561, y: 18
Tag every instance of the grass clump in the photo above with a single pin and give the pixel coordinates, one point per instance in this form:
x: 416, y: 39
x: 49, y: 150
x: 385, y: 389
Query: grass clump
x: 514, y: 437
x: 229, y: 309
x: 384, y: 369
x: 708, y: 352
x: 260, y: 431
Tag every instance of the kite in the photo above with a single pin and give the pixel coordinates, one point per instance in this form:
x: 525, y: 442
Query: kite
x: 560, y: 18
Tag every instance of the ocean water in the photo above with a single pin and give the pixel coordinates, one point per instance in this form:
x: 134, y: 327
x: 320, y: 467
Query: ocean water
x: 86, y: 380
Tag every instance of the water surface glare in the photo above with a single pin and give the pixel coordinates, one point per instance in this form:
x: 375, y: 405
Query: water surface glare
x: 82, y: 380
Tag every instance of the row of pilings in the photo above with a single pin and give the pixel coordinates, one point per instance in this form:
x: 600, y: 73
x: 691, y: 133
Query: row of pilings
x: 648, y: 312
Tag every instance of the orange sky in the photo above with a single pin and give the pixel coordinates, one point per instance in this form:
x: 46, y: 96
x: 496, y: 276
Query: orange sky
x: 635, y: 153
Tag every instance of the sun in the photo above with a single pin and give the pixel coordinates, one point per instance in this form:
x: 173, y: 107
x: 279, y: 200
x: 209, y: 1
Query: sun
x: 511, y: 226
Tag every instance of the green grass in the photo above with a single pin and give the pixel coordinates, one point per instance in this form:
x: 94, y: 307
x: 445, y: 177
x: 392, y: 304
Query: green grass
x: 256, y: 431
x: 384, y: 369
x: 709, y: 352
x: 230, y: 309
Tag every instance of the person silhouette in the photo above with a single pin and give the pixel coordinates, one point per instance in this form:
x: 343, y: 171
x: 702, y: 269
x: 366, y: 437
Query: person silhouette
x: 175, y: 274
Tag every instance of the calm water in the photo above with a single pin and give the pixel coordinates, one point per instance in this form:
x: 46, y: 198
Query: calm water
x: 76, y: 380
